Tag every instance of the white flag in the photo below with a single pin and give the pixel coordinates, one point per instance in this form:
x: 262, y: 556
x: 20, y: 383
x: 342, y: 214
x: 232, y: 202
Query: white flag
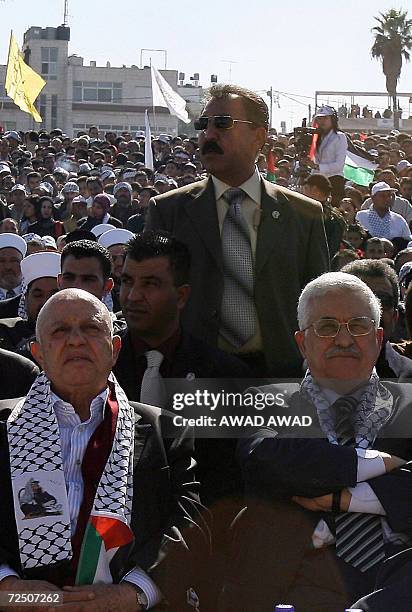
x: 164, y: 95
x: 148, y: 152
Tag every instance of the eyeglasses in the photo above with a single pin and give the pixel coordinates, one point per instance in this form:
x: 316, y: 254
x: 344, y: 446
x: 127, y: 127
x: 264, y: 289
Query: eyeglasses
x: 329, y: 328
x: 221, y: 122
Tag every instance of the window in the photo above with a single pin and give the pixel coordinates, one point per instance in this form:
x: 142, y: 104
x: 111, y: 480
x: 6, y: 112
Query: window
x: 42, y: 108
x: 96, y: 91
x: 49, y: 63
x: 53, y: 111
x: 9, y: 126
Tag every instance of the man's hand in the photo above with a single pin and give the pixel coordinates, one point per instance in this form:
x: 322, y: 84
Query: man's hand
x: 323, y: 503
x: 100, y: 598
x: 13, y: 584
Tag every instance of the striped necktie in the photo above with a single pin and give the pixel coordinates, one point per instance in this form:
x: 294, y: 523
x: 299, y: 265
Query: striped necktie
x: 359, y: 536
x: 238, y: 312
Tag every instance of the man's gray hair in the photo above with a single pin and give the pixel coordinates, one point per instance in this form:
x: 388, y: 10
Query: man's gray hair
x: 335, y: 281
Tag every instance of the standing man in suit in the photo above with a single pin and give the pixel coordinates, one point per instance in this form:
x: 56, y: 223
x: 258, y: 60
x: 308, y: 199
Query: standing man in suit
x: 253, y: 245
x: 328, y: 507
x: 121, y: 531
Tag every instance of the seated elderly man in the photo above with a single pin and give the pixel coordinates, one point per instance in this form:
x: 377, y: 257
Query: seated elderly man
x: 111, y: 529
x: 326, y: 505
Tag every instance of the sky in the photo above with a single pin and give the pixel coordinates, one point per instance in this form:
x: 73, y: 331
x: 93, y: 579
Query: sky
x: 295, y: 47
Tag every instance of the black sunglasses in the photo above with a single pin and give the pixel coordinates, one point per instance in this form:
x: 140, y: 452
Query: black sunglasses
x: 221, y: 122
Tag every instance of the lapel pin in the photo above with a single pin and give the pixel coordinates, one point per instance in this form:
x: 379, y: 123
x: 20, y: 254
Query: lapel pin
x: 276, y: 215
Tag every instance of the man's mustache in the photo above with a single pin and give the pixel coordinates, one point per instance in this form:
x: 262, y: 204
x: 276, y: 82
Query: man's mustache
x: 211, y: 147
x: 334, y: 352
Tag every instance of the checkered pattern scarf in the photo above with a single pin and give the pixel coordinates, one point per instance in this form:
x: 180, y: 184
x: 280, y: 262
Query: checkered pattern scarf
x: 34, y: 444
x: 374, y: 410
x: 379, y: 226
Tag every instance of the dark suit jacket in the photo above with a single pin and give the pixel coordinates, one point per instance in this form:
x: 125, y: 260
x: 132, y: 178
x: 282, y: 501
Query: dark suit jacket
x: 15, y: 334
x: 217, y: 468
x: 17, y: 374
x: 393, y: 586
x: 291, y: 251
x: 9, y: 308
x: 165, y: 512
x: 275, y: 469
x: 87, y: 223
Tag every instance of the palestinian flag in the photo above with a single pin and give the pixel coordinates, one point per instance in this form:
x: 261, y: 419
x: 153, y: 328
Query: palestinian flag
x: 106, y: 543
x: 360, y: 165
x: 270, y: 173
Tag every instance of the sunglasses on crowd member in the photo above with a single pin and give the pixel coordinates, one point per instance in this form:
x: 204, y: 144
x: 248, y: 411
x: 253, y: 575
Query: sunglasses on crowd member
x: 221, y: 122
x: 329, y: 328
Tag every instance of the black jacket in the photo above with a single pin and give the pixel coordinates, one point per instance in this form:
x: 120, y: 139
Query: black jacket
x: 17, y: 374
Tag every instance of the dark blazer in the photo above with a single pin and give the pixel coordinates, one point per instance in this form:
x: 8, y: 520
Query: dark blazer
x: 277, y: 468
x: 17, y: 374
x: 393, y: 586
x: 9, y: 308
x: 291, y: 251
x: 165, y: 511
x: 14, y: 333
x: 192, y: 356
x: 87, y: 223
x: 217, y: 469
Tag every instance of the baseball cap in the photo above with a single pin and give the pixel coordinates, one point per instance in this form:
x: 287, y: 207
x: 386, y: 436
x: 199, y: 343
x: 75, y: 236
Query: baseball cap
x: 403, y: 165
x: 325, y: 111
x: 381, y: 186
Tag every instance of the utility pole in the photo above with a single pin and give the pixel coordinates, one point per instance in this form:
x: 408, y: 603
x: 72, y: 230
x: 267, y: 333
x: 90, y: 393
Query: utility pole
x: 269, y: 93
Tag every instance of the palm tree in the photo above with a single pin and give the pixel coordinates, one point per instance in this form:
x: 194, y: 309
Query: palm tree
x: 393, y: 41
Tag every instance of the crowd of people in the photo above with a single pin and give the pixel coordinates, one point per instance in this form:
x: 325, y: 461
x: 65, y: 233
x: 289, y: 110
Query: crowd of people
x: 116, y: 278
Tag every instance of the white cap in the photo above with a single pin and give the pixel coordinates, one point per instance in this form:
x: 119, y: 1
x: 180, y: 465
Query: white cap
x: 40, y: 265
x: 405, y: 269
x: 403, y: 165
x: 100, y: 229
x: 106, y: 174
x: 381, y: 186
x: 12, y: 241
x: 122, y: 185
x: 325, y: 111
x: 115, y: 236
x: 140, y: 134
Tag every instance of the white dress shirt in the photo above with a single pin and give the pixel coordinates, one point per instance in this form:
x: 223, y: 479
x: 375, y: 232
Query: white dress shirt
x: 3, y: 292
x: 331, y: 154
x: 74, y: 438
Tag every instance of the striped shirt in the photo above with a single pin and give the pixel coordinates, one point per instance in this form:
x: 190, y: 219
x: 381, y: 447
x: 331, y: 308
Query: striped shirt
x: 74, y: 438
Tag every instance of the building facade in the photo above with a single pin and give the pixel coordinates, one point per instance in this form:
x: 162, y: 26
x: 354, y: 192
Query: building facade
x: 77, y: 96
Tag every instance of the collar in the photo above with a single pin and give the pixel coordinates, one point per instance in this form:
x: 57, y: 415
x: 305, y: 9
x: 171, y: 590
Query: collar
x: 17, y: 290
x: 105, y: 218
x: 252, y: 187
x: 332, y: 396
x: 64, y: 409
x: 167, y: 348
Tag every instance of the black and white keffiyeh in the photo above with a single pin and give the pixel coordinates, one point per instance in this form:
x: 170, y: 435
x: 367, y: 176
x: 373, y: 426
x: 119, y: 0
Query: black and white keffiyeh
x: 374, y: 410
x: 35, y: 448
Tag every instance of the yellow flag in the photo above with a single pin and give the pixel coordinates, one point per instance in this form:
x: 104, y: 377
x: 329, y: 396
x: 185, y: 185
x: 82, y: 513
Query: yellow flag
x: 23, y: 84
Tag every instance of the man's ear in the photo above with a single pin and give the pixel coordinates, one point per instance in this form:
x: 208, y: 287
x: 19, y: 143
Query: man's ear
x: 108, y: 286
x: 117, y: 345
x: 183, y: 293
x: 35, y: 349
x: 59, y: 280
x: 300, y: 341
